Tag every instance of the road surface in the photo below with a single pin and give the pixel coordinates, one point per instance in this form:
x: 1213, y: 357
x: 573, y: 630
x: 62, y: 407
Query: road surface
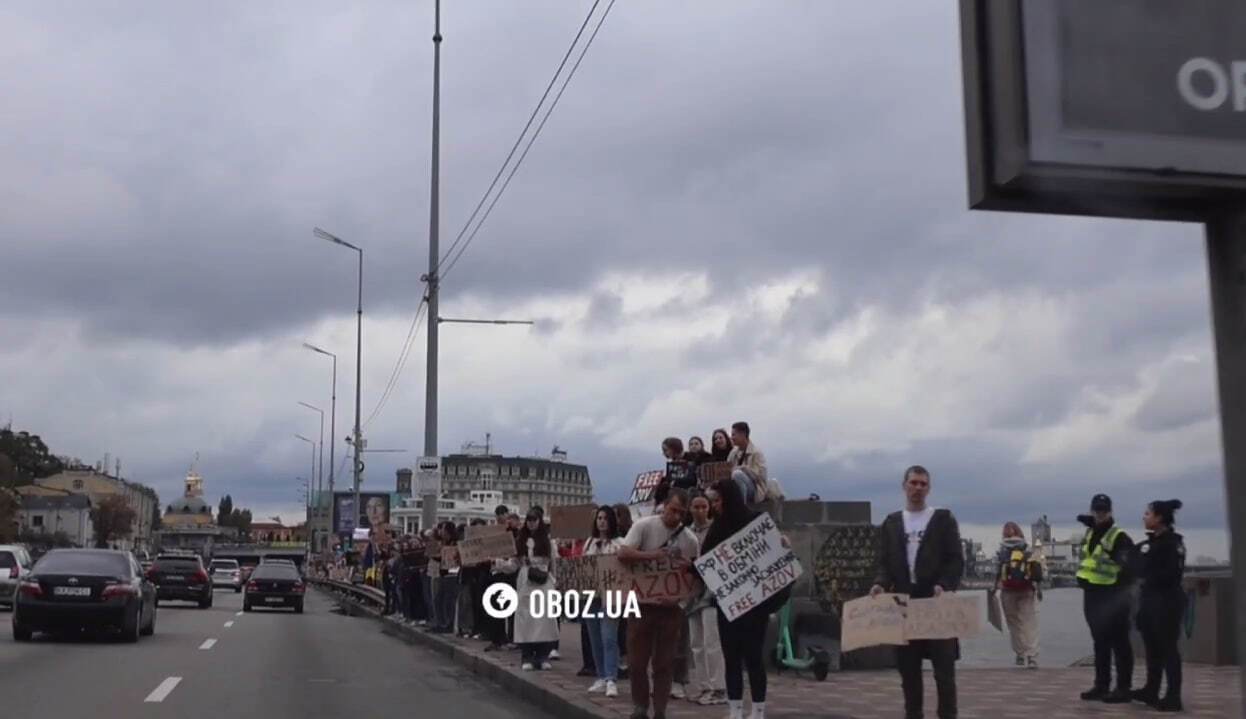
x: 221, y: 662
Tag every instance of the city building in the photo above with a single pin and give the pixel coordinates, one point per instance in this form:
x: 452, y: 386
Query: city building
x: 480, y: 504
x: 62, y: 513
x: 1040, y: 531
x: 97, y: 485
x: 523, y: 482
x: 277, y: 533
x: 188, y: 521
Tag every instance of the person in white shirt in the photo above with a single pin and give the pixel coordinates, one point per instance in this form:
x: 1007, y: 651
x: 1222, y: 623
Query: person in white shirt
x: 603, y: 633
x: 707, y: 651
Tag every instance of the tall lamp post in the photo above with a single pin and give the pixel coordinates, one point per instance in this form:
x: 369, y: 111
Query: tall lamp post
x: 319, y: 484
x: 313, y: 474
x: 332, y: 415
x: 358, y: 442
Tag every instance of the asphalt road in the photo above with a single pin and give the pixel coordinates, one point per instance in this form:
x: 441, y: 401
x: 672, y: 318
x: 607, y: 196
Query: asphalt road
x: 273, y: 664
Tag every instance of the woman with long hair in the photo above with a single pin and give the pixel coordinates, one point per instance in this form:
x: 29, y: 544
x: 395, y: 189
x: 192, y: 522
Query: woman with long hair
x: 705, y: 647
x: 603, y: 633
x: 720, y: 445
x: 535, y: 637
x: 743, y: 640
x: 1018, y: 583
x: 623, y: 514
x: 1160, y: 563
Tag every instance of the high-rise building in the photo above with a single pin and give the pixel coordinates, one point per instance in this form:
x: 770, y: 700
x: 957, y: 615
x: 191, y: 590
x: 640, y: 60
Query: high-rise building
x: 523, y: 481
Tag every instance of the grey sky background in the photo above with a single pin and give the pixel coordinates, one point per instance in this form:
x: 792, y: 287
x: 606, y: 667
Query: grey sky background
x: 738, y: 211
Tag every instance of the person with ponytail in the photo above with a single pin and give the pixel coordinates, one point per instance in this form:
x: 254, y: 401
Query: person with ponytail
x: 1160, y: 564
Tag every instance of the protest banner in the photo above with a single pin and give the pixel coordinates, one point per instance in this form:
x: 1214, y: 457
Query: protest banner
x: 651, y: 581
x: 578, y: 574
x: 711, y: 472
x: 948, y: 616
x: 485, y: 546
x: 574, y: 521
x: 680, y: 473
x: 450, y: 557
x: 994, y: 610
x: 749, y: 567
x: 642, y: 490
x: 484, y: 530
x: 869, y: 621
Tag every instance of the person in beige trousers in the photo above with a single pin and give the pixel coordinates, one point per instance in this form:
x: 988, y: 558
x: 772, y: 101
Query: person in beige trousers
x: 1019, y: 583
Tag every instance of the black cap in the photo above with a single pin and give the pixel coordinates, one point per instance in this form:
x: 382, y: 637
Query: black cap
x: 1101, y: 503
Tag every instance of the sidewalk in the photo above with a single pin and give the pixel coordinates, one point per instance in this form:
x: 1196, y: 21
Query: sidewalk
x: 1050, y: 693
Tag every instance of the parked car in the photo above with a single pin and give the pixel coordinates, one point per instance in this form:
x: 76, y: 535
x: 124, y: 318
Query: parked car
x: 181, y: 577
x: 226, y: 573
x: 15, y: 564
x: 71, y: 589
x: 274, y: 584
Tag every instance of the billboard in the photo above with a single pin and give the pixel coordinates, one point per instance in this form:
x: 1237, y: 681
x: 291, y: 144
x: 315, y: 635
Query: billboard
x: 375, y: 511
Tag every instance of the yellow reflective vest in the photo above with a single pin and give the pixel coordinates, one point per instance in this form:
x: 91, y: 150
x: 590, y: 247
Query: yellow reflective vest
x: 1098, y: 567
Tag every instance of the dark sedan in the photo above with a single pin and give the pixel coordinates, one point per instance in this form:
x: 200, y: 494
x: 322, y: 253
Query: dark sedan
x: 181, y: 577
x: 274, y: 585
x: 72, y: 589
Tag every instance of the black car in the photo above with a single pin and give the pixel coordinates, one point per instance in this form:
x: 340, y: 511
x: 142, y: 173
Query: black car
x: 274, y: 585
x: 181, y: 577
x: 71, y: 589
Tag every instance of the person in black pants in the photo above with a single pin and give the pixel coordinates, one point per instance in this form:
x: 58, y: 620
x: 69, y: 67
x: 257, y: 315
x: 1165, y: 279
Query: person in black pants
x: 1160, y: 564
x: 1107, y: 601
x: 920, y: 554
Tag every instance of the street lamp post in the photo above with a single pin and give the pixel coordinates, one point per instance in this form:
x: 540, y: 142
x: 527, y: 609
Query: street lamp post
x: 332, y: 415
x: 358, y: 365
x: 313, y: 474
x: 315, y: 506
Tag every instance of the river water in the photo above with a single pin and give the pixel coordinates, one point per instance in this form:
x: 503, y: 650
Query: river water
x: 1063, y: 637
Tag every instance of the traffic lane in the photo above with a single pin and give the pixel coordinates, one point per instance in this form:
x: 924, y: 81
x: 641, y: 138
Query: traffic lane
x: 321, y: 663
x: 82, y: 673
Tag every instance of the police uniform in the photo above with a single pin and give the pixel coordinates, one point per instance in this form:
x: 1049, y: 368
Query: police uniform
x: 1160, y: 563
x: 1106, y: 603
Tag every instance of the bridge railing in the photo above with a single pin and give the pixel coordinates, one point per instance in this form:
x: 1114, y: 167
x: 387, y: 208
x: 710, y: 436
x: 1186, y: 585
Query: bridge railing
x: 369, y: 597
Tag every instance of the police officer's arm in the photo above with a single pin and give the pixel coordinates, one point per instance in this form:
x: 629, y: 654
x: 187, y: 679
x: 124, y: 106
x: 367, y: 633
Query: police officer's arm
x: 952, y: 564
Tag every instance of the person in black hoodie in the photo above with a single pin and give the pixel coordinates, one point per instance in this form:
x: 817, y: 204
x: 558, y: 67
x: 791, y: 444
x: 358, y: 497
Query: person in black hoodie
x: 1160, y: 565
x: 1105, y: 581
x: 920, y: 554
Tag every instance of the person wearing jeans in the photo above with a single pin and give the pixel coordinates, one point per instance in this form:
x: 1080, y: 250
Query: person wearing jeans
x: 653, y: 638
x: 706, y: 650
x: 603, y: 633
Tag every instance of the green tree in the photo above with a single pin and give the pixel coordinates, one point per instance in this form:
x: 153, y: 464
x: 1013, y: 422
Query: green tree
x: 8, y: 516
x: 241, y: 518
x: 155, y: 514
x: 31, y: 458
x: 113, y: 519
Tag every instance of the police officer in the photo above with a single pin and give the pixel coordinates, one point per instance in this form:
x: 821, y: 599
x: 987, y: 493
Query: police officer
x: 1104, y: 579
x: 1160, y: 564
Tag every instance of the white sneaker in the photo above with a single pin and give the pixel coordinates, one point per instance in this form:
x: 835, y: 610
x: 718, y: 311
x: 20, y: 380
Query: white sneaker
x: 612, y: 690
x: 553, y: 654
x: 597, y: 686
x: 527, y: 666
x: 546, y: 666
x: 735, y: 709
x: 759, y: 711
x: 677, y: 691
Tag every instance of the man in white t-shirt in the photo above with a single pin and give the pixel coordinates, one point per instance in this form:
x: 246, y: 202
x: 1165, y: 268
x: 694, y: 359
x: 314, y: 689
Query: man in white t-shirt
x: 920, y: 554
x: 655, y: 635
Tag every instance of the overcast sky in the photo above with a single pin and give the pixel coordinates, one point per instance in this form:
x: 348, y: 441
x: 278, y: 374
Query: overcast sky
x: 738, y: 211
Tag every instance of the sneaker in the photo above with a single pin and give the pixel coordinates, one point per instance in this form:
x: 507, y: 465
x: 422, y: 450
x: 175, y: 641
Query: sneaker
x: 677, y: 691
x: 1031, y: 663
x: 1020, y: 661
x: 546, y: 666
x: 703, y: 698
x: 1169, y: 704
x: 1120, y: 696
x: 612, y: 689
x: 597, y: 686
x: 527, y: 666
x: 719, y: 696
x: 1150, y: 697
x: 1094, y: 695
x: 554, y: 655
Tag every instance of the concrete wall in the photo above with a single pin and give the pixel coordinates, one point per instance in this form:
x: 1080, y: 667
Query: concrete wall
x: 807, y: 525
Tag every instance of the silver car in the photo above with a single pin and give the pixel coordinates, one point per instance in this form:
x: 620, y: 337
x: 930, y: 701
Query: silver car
x: 226, y: 573
x: 15, y: 564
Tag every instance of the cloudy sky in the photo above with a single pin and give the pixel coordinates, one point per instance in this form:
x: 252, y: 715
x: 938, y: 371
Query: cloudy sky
x: 738, y: 211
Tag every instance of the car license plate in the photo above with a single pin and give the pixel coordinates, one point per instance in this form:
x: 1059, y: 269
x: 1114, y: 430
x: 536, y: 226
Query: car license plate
x: 273, y: 600
x: 71, y: 591
x: 174, y: 578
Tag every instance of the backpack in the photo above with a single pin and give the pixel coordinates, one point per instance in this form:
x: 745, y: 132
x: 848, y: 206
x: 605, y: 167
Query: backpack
x: 1020, y: 571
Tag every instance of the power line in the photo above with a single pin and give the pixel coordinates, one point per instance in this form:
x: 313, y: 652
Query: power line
x: 519, y: 140
x: 401, y: 361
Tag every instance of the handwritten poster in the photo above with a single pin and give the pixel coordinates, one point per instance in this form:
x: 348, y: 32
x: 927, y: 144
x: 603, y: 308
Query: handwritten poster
x: 651, y: 581
x: 450, y: 558
x: 947, y: 616
x: 646, y: 482
x: 573, y: 521
x: 711, y: 472
x: 748, y: 568
x: 870, y: 621
x: 498, y: 543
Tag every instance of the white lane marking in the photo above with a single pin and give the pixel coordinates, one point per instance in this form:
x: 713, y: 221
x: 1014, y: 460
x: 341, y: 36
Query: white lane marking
x: 237, y: 614
x: 229, y: 624
x: 162, y: 691
x: 207, y: 644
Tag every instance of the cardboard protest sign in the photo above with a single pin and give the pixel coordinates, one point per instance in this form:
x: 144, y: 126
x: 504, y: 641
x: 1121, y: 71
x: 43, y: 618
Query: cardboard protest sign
x: 711, y: 472
x: 680, y: 473
x: 573, y: 521
x: 870, y: 621
x: 748, y: 568
x: 642, y: 490
x: 484, y: 546
x: 947, y: 616
x: 578, y: 573
x: 484, y: 530
x: 994, y: 611
x: 652, y: 581
x: 450, y: 557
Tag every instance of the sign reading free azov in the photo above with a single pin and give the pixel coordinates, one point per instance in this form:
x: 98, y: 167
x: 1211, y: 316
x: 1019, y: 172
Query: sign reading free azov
x: 749, y: 567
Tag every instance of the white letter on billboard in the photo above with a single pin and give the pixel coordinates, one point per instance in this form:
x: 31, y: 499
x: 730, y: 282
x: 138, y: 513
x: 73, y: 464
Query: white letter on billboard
x: 1218, y: 76
x: 1239, y: 85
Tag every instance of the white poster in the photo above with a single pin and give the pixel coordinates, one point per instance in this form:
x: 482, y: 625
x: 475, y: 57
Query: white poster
x: 749, y: 568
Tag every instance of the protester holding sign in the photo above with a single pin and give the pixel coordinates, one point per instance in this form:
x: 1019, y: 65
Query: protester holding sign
x: 920, y: 554
x: 744, y: 639
x: 702, y: 618
x: 603, y: 633
x: 447, y: 582
x: 623, y: 513
x: 654, y: 637
x: 505, y: 571
x: 535, y: 637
